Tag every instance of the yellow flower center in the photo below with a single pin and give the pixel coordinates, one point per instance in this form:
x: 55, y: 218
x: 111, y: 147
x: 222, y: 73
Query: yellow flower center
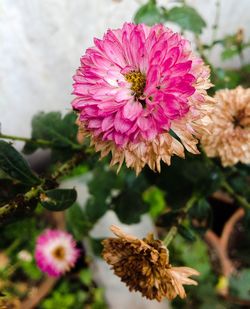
x: 138, y: 81
x: 59, y: 253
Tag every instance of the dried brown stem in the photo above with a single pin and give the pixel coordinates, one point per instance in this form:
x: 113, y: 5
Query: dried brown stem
x: 229, y: 226
x: 220, y: 245
x: 214, y: 241
x: 223, y: 197
x: 34, y: 299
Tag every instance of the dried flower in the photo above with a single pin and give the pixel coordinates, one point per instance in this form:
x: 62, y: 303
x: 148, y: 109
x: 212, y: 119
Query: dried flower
x: 140, y: 91
x: 10, y: 303
x: 144, y: 266
x: 230, y: 127
x: 55, y: 252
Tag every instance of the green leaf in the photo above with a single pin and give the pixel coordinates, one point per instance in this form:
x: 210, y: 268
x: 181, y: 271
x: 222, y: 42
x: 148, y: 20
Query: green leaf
x: 186, y: 233
x: 155, y: 198
x: 14, y: 165
x: 193, y: 254
x: 95, y: 209
x: 58, y: 199
x: 129, y: 207
x: 85, y: 276
x: 100, y: 186
x: 226, y: 79
x: 78, y: 222
x: 201, y: 215
x: 206, y: 179
x: 239, y: 284
x: 229, y: 53
x: 149, y: 14
x: 96, y: 245
x: 53, y: 131
x: 169, y: 218
x: 187, y: 18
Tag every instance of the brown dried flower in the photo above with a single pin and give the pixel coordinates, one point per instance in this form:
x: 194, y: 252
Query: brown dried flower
x: 230, y: 127
x: 13, y: 303
x: 144, y: 266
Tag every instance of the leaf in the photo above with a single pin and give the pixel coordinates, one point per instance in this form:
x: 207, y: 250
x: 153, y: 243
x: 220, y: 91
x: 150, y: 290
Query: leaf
x: 186, y: 233
x: 149, y: 14
x: 239, y: 284
x: 96, y: 245
x: 155, y: 198
x: 169, y: 218
x: 229, y: 53
x: 78, y: 222
x: 58, y: 199
x: 85, y: 276
x: 187, y: 18
x: 129, y: 207
x: 201, y: 215
x: 178, y: 180
x: 95, y: 209
x: 100, y: 187
x: 193, y: 254
x: 14, y: 165
x: 53, y: 130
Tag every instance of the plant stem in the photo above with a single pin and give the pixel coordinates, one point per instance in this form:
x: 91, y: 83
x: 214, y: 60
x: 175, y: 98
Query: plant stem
x: 26, y: 139
x: 216, y: 22
x: 174, y: 229
x: 170, y: 235
x: 27, y: 202
x: 21, y: 204
x: 239, y: 198
x: 13, y: 246
x: 38, y: 141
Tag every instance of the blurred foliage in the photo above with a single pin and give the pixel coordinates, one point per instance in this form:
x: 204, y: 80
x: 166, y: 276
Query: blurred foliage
x: 165, y: 197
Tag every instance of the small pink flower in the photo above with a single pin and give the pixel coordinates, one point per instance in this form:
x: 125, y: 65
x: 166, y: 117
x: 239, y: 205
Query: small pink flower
x: 135, y: 88
x: 55, y: 252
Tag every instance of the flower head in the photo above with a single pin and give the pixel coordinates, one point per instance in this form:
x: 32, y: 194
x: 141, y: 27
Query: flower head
x: 144, y: 266
x: 140, y: 91
x: 55, y: 252
x: 230, y: 127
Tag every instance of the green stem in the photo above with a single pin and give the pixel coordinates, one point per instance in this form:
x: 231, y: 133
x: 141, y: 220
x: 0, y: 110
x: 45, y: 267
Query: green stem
x: 170, y: 235
x: 13, y: 246
x: 27, y: 140
x: 174, y: 229
x: 26, y: 203
x: 39, y: 141
x: 240, y: 199
x: 67, y: 166
x: 21, y: 204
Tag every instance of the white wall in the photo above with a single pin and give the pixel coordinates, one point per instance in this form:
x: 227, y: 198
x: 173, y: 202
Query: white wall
x: 41, y: 42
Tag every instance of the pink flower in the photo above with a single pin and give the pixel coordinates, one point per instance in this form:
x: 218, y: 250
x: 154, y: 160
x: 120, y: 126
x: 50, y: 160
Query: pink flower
x: 136, y: 87
x: 55, y: 252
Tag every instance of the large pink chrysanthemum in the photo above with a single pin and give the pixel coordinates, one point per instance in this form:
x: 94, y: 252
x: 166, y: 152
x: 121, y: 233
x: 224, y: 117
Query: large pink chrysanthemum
x: 55, y: 252
x: 141, y: 94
